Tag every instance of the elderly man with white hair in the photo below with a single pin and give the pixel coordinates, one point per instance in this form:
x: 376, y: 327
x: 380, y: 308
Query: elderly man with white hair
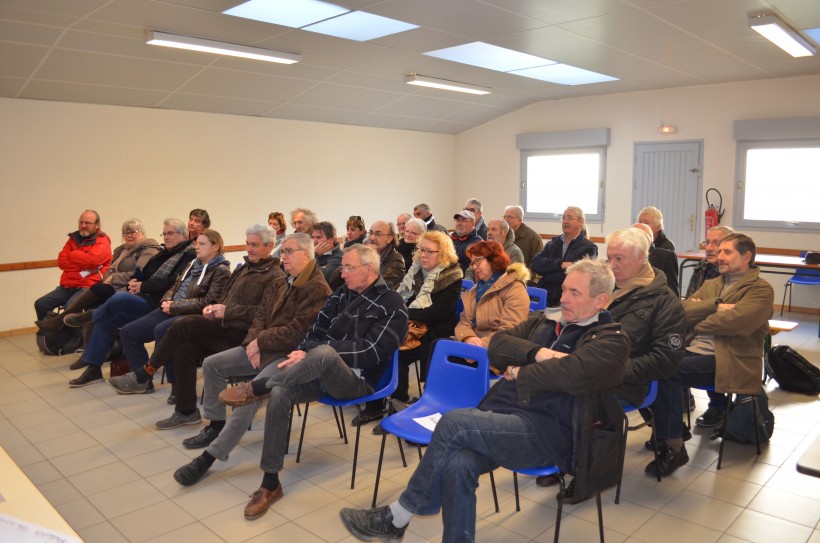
x: 526, y: 238
x: 653, y: 217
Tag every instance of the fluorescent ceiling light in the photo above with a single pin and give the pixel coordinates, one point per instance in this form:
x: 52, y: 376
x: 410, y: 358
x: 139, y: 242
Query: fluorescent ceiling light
x: 293, y: 13
x: 782, y: 35
x: 221, y: 48
x: 435, y: 83
x: 489, y: 56
x: 564, y: 74
x: 360, y: 26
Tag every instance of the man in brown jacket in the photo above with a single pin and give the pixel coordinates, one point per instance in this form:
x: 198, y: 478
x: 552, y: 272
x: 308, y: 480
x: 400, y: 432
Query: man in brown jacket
x: 727, y: 319
x: 281, y: 321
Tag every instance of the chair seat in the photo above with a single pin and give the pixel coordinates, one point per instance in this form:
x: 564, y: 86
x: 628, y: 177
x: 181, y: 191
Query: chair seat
x: 542, y: 471
x: 805, y: 279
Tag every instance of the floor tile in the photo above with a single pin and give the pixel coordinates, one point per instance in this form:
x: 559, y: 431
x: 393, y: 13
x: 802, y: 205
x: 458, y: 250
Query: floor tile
x: 761, y: 528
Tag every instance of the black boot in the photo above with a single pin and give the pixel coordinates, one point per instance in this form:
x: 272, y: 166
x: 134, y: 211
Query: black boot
x: 84, y: 300
x: 51, y: 323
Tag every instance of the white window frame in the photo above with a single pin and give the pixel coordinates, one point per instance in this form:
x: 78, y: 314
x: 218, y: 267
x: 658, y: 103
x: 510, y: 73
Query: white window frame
x: 788, y: 223
x: 592, y: 215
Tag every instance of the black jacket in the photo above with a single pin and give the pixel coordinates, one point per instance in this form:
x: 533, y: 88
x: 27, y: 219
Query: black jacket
x: 155, y: 285
x: 548, y: 262
x: 662, y: 242
x: 461, y: 244
x: 667, y: 262
x: 245, y: 290
x: 653, y: 318
x: 561, y: 397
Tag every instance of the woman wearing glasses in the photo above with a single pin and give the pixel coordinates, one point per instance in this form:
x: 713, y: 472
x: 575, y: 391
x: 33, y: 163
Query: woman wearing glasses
x: 135, y: 252
x: 499, y: 299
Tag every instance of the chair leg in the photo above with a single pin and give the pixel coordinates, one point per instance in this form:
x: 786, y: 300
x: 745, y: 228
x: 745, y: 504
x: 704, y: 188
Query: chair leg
x: 654, y: 440
x: 342, y: 420
x: 302, y: 434
x: 560, y: 506
x: 298, y: 411
x: 495, y: 494
x: 783, y: 303
x: 355, y: 450
x: 515, y: 487
x: 758, y: 417
x: 723, y: 431
x: 379, y: 471
x: 401, y: 451
x: 600, y: 517
x: 338, y: 426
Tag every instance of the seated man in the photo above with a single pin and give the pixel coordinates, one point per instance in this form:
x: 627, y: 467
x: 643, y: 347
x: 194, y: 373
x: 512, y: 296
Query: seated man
x: 463, y: 236
x: 422, y: 211
x: 653, y: 217
x: 543, y: 390
x: 326, y: 249
x: 708, y: 267
x: 662, y: 259
x: 220, y: 326
x: 288, y: 308
x: 728, y: 319
x: 650, y: 314
x: 560, y: 252
x: 343, y: 355
x: 382, y: 238
x: 498, y: 230
x: 198, y: 221
x: 474, y: 206
x: 84, y: 259
x: 526, y: 238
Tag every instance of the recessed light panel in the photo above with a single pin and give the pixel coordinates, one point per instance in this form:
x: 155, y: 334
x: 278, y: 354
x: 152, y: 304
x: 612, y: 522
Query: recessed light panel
x: 293, y: 13
x: 564, y: 74
x: 360, y: 26
x: 489, y: 56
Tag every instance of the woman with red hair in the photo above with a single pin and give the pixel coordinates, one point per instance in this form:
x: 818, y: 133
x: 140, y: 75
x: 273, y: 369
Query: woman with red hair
x: 499, y: 299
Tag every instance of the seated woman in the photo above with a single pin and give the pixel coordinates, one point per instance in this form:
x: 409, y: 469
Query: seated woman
x: 134, y: 253
x: 499, y: 299
x: 413, y: 229
x: 355, y: 231
x: 173, y: 264
x: 276, y: 220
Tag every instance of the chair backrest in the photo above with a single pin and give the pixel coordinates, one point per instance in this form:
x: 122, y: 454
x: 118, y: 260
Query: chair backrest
x: 538, y: 298
x: 807, y: 274
x: 466, y: 285
x: 390, y: 377
x: 454, y: 383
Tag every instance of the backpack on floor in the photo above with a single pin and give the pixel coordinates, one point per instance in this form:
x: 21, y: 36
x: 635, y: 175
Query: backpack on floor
x: 793, y: 372
x: 740, y: 426
x: 65, y: 341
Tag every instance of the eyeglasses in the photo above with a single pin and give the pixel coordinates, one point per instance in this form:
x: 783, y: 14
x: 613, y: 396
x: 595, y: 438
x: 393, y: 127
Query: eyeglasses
x: 373, y: 234
x: 428, y: 252
x: 474, y: 210
x: 477, y: 261
x: 288, y: 251
x: 128, y: 232
x: 82, y: 223
x: 569, y: 218
x: 709, y: 243
x: 507, y: 217
x: 350, y: 269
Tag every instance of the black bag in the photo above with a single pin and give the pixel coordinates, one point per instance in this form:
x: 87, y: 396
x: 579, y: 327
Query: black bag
x: 793, y: 372
x: 740, y: 426
x: 65, y: 341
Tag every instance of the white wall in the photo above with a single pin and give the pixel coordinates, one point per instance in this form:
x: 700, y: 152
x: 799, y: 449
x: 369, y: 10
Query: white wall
x: 60, y: 158
x: 488, y: 162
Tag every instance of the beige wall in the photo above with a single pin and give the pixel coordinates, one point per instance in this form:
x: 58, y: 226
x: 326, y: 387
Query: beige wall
x: 488, y: 162
x: 60, y: 158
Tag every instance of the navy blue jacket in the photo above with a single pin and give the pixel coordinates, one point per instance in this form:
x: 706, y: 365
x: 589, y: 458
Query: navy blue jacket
x: 548, y: 262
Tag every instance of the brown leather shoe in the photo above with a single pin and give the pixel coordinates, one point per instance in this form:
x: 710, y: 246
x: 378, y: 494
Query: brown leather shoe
x: 240, y: 394
x: 261, y: 500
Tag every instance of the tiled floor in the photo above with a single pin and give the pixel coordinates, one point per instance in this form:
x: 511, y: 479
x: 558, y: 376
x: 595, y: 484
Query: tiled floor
x: 97, y: 457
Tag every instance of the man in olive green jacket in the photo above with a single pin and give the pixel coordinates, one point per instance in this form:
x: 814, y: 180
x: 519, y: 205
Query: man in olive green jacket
x: 727, y: 320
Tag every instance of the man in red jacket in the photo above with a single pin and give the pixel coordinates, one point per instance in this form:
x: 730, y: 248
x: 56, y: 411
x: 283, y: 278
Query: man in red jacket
x: 84, y: 258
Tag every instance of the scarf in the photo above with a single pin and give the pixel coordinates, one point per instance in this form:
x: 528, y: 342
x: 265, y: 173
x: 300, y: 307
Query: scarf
x: 643, y: 278
x: 423, y: 299
x: 197, y: 268
x: 482, y: 286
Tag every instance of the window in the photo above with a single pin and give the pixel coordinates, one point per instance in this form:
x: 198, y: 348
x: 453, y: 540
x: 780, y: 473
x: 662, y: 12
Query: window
x: 563, y: 169
x: 778, y: 185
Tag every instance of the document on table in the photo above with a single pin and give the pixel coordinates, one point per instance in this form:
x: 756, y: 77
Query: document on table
x: 429, y: 421
x: 20, y: 531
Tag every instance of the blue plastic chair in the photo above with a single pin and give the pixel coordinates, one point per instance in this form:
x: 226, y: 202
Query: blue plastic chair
x: 538, y: 298
x: 451, y: 384
x: 646, y: 404
x: 387, y: 386
x: 807, y: 277
x: 466, y: 285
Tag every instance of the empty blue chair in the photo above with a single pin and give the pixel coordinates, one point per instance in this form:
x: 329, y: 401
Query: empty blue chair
x: 806, y: 277
x: 387, y: 386
x: 451, y: 384
x: 538, y: 298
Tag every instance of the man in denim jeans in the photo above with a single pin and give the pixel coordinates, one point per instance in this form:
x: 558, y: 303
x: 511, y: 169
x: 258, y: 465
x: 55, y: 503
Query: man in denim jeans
x: 552, y: 362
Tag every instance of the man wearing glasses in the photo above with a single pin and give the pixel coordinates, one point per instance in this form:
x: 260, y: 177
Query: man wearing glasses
x: 288, y: 308
x: 84, y: 258
x: 463, y: 236
x: 560, y: 252
x: 382, y: 238
x: 474, y: 206
x: 343, y: 354
x: 708, y: 267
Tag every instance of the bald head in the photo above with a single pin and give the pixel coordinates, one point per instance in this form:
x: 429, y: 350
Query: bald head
x: 646, y: 229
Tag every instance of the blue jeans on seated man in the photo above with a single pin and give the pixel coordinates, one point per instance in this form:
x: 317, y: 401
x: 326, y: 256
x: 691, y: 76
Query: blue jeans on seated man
x: 134, y: 335
x: 119, y: 310
x: 696, y: 370
x: 58, y: 297
x: 465, y: 444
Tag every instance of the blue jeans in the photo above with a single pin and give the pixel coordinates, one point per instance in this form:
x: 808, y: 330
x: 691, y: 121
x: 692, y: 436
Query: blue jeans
x: 696, y: 370
x: 60, y: 296
x: 134, y: 335
x: 465, y: 444
x: 119, y: 310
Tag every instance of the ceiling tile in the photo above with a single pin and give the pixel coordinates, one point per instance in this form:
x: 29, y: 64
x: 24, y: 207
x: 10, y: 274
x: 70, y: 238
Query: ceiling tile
x: 344, y: 97
x: 630, y: 31
x: 233, y: 84
x: 356, y: 79
x: 475, y: 115
x: 562, y: 11
x: 694, y: 57
x: 91, y: 94
x: 391, y: 121
x: 556, y: 44
x: 74, y: 8
x: 29, y: 34
x: 10, y: 86
x: 420, y: 40
x: 214, y: 104
x: 725, y: 75
x: 319, y: 45
x: 422, y: 107
x: 446, y: 127
x: 710, y: 20
x: 317, y: 114
x: 20, y: 60
x: 131, y: 47
x: 300, y: 70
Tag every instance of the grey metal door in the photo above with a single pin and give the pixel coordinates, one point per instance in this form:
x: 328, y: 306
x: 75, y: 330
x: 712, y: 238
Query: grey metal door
x: 668, y: 176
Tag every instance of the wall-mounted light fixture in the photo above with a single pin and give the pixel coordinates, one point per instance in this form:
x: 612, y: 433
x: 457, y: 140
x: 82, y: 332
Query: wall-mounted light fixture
x: 667, y: 129
x: 435, y: 83
x: 782, y: 35
x: 220, y: 48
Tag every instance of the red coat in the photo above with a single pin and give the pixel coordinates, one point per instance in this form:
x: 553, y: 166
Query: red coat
x: 84, y: 260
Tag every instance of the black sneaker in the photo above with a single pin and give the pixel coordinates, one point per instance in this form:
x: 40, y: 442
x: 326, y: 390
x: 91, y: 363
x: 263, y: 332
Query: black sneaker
x: 669, y: 460
x: 92, y: 374
x: 372, y: 524
x: 202, y: 439
x: 368, y: 416
x: 192, y: 472
x: 686, y: 435
x: 711, y: 418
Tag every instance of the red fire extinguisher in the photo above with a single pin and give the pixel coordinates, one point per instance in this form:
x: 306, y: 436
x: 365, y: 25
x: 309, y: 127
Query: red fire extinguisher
x: 713, y: 214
